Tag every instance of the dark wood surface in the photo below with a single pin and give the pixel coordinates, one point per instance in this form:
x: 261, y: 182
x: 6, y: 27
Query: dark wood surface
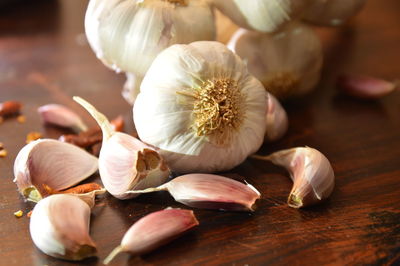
x: 44, y: 59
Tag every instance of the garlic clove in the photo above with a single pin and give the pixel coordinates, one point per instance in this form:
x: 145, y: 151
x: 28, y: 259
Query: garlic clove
x: 365, y: 87
x: 312, y: 174
x: 332, y: 12
x: 62, y: 116
x: 59, y: 227
x: 208, y: 191
x: 131, y: 87
x: 277, y: 120
x: 47, y: 165
x: 126, y: 163
x: 288, y: 63
x: 154, y: 230
x: 261, y: 15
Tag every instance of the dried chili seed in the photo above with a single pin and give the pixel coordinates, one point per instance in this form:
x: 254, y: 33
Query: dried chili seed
x: 33, y: 136
x: 18, y: 214
x: 21, y: 119
x: 3, y: 153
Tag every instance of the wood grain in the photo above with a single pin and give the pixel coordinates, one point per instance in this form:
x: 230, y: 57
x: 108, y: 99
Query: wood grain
x: 44, y: 59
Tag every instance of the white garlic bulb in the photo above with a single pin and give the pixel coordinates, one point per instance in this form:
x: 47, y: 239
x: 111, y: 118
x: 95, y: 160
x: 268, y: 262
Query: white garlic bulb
x: 199, y: 105
x: 288, y: 63
x: 332, y: 12
x: 261, y: 15
x: 128, y: 34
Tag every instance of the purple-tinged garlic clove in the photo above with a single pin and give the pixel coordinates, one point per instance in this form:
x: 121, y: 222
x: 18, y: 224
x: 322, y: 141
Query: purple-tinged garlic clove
x: 126, y: 163
x: 62, y: 116
x: 277, y: 120
x: 312, y: 174
x: 154, y: 230
x: 208, y: 191
x: 45, y: 165
x: 59, y: 227
x: 365, y: 87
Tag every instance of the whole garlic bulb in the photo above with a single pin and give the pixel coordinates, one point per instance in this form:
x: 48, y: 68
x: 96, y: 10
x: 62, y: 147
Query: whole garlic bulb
x: 199, y: 105
x: 288, y: 63
x: 332, y: 12
x: 261, y: 15
x: 127, y: 35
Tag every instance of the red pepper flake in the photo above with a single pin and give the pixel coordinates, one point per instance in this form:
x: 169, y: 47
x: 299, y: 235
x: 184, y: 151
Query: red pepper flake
x: 33, y: 136
x: 8, y: 108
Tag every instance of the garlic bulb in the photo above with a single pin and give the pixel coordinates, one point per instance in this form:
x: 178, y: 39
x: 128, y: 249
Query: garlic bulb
x: 154, y: 230
x: 59, y: 227
x: 312, y: 174
x: 125, y: 163
x: 332, y: 12
x: 277, y: 120
x: 261, y: 15
x: 128, y: 34
x: 45, y: 165
x: 199, y: 105
x: 288, y: 63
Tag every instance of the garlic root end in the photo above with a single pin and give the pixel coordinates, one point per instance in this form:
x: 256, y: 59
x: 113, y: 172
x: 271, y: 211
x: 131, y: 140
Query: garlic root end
x: 112, y: 255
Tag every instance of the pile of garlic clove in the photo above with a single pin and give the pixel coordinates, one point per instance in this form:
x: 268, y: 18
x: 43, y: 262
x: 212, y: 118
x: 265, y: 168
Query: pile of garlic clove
x: 199, y: 107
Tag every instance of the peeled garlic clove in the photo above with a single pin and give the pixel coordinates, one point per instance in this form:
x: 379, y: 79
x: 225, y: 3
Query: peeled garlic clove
x: 59, y: 227
x: 277, y: 120
x: 261, y: 15
x: 128, y: 35
x: 288, y: 62
x: 201, y: 108
x: 47, y: 165
x: 126, y: 163
x: 207, y: 191
x: 312, y: 174
x: 62, y: 116
x: 154, y: 230
x: 365, y: 87
x: 332, y: 12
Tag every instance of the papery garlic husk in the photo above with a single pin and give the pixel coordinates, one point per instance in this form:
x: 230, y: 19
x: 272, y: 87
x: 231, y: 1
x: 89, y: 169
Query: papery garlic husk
x: 126, y: 163
x: 131, y: 87
x: 155, y: 230
x: 127, y: 35
x: 277, y: 120
x: 59, y: 227
x: 261, y: 15
x: 199, y: 105
x: 62, y: 116
x: 312, y: 174
x: 288, y: 63
x: 365, y: 87
x: 332, y: 12
x: 47, y: 165
x: 208, y: 191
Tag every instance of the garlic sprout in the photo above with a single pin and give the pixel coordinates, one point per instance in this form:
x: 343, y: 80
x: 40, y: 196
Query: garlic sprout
x: 203, y: 110
x: 127, y: 35
x: 261, y: 15
x: 332, y: 12
x: 288, y: 63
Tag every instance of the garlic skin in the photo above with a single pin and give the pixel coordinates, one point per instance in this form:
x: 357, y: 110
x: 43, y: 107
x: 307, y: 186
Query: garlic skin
x: 277, y: 120
x: 62, y: 116
x: 312, y: 174
x: 201, y: 108
x: 332, y: 12
x: 154, y: 230
x: 59, y: 227
x: 261, y: 15
x: 47, y: 165
x: 127, y: 35
x: 206, y: 191
x: 125, y: 163
x: 288, y: 63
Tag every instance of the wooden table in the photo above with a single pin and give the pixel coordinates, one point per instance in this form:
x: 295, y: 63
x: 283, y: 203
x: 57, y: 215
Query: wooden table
x: 44, y: 58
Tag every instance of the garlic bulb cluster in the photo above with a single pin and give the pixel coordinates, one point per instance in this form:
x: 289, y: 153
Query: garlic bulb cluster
x: 127, y: 35
x: 332, y: 12
x: 288, y: 63
x: 59, y: 227
x: 203, y: 110
x: 261, y: 15
x: 125, y: 163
